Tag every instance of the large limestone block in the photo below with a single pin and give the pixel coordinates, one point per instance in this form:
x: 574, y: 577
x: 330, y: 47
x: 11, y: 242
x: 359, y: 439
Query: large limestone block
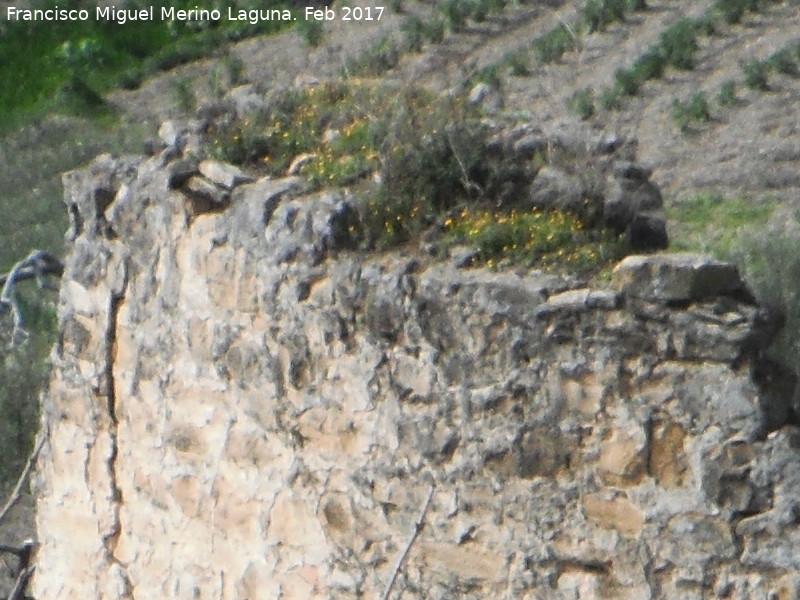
x: 223, y: 174
x: 676, y: 277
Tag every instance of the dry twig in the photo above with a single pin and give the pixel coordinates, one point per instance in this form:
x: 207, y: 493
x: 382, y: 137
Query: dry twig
x: 16, y: 494
x: 418, y: 525
x: 35, y: 266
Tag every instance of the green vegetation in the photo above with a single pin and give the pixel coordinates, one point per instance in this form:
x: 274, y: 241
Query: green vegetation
x: 755, y: 75
x: 551, y: 46
x: 784, y: 61
x: 712, y: 223
x: 695, y: 111
x: 770, y: 263
x: 53, y: 64
x: 626, y: 82
x: 552, y: 239
x: 582, y: 103
x: 763, y: 244
x: 310, y: 31
x: 376, y: 60
x: 229, y: 73
x: 598, y: 14
x: 649, y: 65
x: 677, y: 47
x: 456, y: 13
x: 518, y: 63
x: 490, y: 74
x: 417, y: 32
x: 732, y: 11
x: 611, y: 99
x: 23, y: 374
x: 185, y: 98
x: 433, y: 160
x: 726, y: 96
x: 679, y: 44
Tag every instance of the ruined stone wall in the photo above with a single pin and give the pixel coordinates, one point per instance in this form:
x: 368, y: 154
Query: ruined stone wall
x: 242, y: 407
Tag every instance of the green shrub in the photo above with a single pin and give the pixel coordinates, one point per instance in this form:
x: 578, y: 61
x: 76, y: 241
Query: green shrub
x: 582, y: 103
x: 426, y: 165
x: 637, y: 5
x: 79, y: 98
x: 311, y: 32
x: 413, y: 33
x: 490, y: 74
x: 551, y: 46
x: 783, y: 61
x: 686, y: 114
x: 553, y: 239
x: 374, y: 61
x: 593, y: 16
x: 496, y: 6
x: 649, y: 65
x: 434, y: 31
x: 132, y: 79
x: 726, y: 96
x: 770, y: 262
x: 185, y: 98
x: 456, y: 13
x: 705, y: 24
x: 626, y: 82
x: 611, y: 98
x: 755, y: 75
x: 732, y: 11
x: 478, y: 10
x: 598, y: 14
x: 518, y: 63
x: 679, y: 44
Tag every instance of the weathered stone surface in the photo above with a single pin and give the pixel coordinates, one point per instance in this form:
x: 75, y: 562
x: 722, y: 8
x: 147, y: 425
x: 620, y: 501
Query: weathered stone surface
x: 486, y: 96
x: 204, y: 196
x: 676, y: 277
x: 633, y: 205
x: 300, y: 161
x: 244, y: 407
x: 554, y: 189
x: 222, y: 174
x: 579, y: 300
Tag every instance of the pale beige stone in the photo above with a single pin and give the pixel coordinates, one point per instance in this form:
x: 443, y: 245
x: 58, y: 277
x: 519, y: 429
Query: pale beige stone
x: 617, y: 513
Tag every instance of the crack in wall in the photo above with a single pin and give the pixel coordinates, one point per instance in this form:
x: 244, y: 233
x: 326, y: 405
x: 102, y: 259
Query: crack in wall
x: 111, y: 539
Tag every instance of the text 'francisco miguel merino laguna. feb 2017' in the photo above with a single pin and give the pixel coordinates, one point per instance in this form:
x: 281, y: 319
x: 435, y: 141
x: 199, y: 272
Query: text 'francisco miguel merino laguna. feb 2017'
x: 167, y: 13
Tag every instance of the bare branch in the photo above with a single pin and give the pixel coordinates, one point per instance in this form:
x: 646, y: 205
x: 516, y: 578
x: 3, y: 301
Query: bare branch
x: 18, y: 592
x: 36, y: 265
x: 418, y: 525
x: 16, y: 494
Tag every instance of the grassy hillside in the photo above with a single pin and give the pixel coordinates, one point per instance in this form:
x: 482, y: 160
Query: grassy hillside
x: 69, y: 64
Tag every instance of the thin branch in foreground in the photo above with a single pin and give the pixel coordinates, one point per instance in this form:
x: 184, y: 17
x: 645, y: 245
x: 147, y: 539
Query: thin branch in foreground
x: 418, y: 525
x: 35, y: 266
x: 18, y: 591
x: 16, y: 494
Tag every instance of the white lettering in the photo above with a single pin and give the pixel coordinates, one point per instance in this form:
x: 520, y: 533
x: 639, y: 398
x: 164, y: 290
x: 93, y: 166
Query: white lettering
x: 253, y: 16
x: 50, y: 14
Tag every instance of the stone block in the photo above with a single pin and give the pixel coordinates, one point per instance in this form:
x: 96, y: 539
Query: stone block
x: 675, y: 277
